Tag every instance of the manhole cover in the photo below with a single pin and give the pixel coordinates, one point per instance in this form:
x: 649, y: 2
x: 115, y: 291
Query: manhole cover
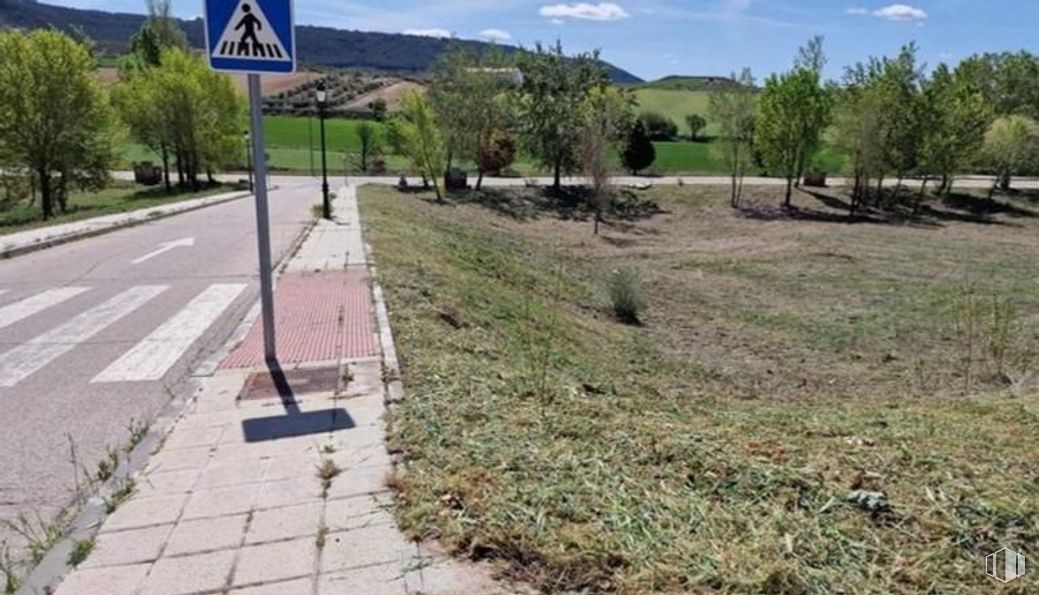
x: 284, y: 385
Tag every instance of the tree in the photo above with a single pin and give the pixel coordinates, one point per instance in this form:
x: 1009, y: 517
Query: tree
x: 554, y: 87
x: 1008, y: 81
x: 379, y: 109
x: 416, y: 135
x: 696, y: 124
x: 369, y: 145
x: 497, y: 152
x: 954, y: 119
x: 55, y: 117
x: 658, y: 126
x: 184, y: 111
x: 605, y: 118
x: 158, y: 33
x: 794, y: 110
x: 469, y: 94
x: 734, y: 109
x: 1011, y: 145
x: 639, y: 152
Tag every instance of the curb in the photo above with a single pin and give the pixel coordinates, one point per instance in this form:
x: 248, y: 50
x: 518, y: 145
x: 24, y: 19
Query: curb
x: 85, y: 522
x: 132, y: 220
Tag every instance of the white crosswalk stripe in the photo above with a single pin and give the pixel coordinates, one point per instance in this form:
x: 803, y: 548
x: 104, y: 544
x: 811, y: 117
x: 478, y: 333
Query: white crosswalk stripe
x: 155, y: 355
x: 26, y: 359
x: 23, y: 309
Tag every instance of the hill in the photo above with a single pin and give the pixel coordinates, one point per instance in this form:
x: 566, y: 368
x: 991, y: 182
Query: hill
x: 689, y: 83
x: 318, y: 46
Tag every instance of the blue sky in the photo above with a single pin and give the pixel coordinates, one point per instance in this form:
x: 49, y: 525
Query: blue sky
x: 653, y: 38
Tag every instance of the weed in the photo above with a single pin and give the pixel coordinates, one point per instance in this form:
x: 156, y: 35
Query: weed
x: 625, y: 293
x: 81, y: 550
x: 322, y: 536
x: 121, y: 494
x: 9, y: 570
x: 107, y: 466
x: 38, y: 533
x: 138, y: 429
x: 317, y: 211
x: 329, y: 449
x: 327, y: 472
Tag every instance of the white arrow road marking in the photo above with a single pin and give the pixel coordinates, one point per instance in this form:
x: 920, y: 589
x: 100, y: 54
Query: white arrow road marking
x: 155, y: 355
x: 17, y: 311
x: 22, y: 361
x: 166, y: 247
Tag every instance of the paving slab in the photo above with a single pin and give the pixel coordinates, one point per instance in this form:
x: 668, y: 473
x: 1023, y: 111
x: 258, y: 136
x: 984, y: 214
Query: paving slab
x: 233, y: 501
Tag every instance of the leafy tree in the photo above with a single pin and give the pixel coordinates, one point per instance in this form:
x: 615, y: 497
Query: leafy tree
x: 1008, y: 81
x: 497, y: 152
x: 1011, y: 145
x: 554, y: 88
x: 658, y: 126
x: 901, y: 84
x: 639, y: 152
x: 954, y: 118
x: 606, y: 116
x: 55, y: 118
x: 379, y: 109
x: 794, y: 110
x: 369, y: 145
x: 696, y: 124
x: 415, y: 134
x: 469, y: 94
x: 734, y: 109
x: 186, y: 112
x: 158, y: 33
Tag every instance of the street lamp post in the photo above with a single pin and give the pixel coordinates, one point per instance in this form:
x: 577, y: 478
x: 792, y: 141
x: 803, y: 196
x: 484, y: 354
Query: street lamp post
x: 249, y: 160
x: 322, y: 97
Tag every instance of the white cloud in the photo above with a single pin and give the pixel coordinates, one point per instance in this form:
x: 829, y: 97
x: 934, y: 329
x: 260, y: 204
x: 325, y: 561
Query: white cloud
x: 442, y: 33
x: 496, y: 34
x: 603, y: 11
x: 901, y: 12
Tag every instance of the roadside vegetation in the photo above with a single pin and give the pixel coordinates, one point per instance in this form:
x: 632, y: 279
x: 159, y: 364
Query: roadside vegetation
x: 812, y: 404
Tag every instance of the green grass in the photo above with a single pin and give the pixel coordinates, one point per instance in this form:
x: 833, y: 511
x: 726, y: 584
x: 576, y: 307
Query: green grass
x: 785, y: 369
x: 121, y: 197
x: 676, y: 104
x: 289, y: 132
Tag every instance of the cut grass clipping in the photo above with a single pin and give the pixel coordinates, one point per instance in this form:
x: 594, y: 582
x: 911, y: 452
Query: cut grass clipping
x: 789, y: 419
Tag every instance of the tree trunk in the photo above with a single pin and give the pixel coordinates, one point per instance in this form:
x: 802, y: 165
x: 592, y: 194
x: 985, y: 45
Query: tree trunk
x: 45, y: 193
x: 789, y: 191
x: 558, y: 184
x: 920, y: 197
x: 1004, y: 182
x: 880, y: 190
x: 479, y: 180
x: 734, y: 200
x: 166, y: 168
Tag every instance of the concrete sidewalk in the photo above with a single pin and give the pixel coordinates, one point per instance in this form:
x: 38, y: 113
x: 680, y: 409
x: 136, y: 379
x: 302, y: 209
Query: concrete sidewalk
x: 278, y: 484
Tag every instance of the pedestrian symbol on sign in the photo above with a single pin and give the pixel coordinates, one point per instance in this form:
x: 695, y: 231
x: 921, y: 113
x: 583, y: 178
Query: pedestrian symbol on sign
x: 250, y: 35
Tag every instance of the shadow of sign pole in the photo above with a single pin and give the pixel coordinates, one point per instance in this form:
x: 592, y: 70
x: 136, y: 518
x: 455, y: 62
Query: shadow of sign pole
x: 295, y: 422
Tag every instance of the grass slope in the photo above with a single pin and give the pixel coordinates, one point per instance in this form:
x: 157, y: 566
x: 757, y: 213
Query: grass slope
x: 676, y: 104
x: 785, y: 366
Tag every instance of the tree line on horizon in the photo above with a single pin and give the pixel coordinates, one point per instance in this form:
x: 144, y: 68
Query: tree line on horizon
x: 890, y: 118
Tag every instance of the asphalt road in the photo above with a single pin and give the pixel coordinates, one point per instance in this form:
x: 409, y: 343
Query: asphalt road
x: 101, y: 331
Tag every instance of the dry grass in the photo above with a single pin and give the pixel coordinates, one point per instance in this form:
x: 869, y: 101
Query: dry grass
x: 791, y: 418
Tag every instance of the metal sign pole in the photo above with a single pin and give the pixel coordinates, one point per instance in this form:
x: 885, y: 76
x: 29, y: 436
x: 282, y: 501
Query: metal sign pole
x: 263, y: 232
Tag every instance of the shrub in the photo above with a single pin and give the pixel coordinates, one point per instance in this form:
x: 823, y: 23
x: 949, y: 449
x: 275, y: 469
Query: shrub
x: 658, y: 126
x: 626, y: 295
x: 639, y: 153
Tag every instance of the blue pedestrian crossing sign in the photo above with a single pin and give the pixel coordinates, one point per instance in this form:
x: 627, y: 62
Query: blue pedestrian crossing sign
x: 251, y: 36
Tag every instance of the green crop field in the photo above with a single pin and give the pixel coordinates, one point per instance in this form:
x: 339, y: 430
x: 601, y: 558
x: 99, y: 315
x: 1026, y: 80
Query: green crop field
x: 288, y: 131
x: 676, y: 105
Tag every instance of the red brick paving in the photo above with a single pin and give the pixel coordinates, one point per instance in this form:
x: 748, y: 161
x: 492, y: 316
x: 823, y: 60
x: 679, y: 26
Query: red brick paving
x: 318, y: 317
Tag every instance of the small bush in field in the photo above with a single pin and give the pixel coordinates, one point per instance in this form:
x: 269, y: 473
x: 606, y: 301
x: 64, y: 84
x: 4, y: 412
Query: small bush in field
x: 626, y: 296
